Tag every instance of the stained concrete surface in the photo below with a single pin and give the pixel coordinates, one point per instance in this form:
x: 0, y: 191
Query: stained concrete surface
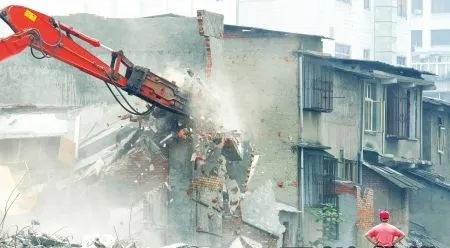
x: 159, y: 43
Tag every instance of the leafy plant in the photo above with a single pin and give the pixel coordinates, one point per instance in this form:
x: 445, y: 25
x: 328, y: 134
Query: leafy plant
x: 330, y: 217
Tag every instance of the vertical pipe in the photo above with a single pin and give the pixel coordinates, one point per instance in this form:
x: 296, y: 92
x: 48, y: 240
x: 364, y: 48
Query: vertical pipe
x: 420, y: 103
x: 301, y: 127
x: 383, y: 132
x: 361, y: 152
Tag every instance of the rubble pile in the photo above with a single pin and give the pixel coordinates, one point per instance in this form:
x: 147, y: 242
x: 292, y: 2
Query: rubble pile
x: 31, y: 237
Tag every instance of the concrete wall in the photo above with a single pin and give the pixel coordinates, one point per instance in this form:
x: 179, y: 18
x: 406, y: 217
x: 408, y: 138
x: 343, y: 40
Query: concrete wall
x: 262, y: 72
x: 431, y: 141
x: 357, y: 208
x: 157, y: 43
x: 429, y: 207
x: 387, y: 196
x: 339, y: 129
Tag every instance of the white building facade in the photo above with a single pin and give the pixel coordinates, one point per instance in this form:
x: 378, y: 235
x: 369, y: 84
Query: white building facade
x: 430, y: 41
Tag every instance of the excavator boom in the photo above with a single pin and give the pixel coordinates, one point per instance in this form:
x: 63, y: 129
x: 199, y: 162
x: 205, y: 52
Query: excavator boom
x: 55, y: 39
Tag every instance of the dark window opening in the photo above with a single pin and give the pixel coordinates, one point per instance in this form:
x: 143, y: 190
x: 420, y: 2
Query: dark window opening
x: 417, y: 7
x: 416, y: 39
x: 401, y: 60
x: 317, y: 86
x: 402, y: 8
x: 440, y: 6
x: 440, y: 37
x: 398, y: 112
x: 320, y: 170
x: 348, y: 170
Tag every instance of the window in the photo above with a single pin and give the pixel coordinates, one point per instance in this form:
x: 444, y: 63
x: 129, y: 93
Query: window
x: 441, y: 136
x: 348, y: 171
x: 366, y: 54
x: 417, y: 7
x: 416, y: 39
x: 366, y: 4
x: 400, y: 120
x: 373, y: 110
x: 402, y: 8
x: 440, y: 6
x: 317, y: 86
x: 342, y: 51
x: 320, y: 175
x: 346, y: 1
x: 401, y: 60
x: 440, y: 37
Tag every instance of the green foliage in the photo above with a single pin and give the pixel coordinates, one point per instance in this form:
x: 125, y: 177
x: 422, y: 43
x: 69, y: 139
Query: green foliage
x: 328, y: 214
x: 330, y: 217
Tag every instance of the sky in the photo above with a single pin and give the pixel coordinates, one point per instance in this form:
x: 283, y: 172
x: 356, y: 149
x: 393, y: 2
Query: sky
x: 125, y: 8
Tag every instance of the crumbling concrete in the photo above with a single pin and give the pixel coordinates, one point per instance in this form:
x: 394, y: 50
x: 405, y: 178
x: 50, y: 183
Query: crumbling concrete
x: 259, y: 208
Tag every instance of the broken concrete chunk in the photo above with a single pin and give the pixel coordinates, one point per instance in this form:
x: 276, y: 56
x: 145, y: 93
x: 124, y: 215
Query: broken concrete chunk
x: 232, y: 150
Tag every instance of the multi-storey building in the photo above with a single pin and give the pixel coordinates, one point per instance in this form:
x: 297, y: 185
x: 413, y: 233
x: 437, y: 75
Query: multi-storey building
x: 430, y: 41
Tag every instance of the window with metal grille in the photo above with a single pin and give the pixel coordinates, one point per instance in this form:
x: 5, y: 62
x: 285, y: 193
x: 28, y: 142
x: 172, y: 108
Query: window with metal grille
x: 317, y: 86
x: 319, y: 174
x: 398, y: 112
x: 348, y: 171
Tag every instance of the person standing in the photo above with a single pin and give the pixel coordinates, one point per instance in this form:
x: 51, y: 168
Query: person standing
x: 384, y: 234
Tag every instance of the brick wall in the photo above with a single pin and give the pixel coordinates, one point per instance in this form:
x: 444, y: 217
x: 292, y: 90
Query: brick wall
x: 364, y: 201
x: 233, y: 227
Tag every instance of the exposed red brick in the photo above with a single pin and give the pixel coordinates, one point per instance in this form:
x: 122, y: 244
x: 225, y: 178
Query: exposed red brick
x: 214, y: 183
x: 364, y: 204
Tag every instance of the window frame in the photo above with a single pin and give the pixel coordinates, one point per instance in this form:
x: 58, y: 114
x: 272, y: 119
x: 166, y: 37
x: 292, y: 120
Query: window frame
x: 398, y: 112
x: 374, y: 109
x: 342, y: 55
x: 320, y: 170
x: 438, y: 9
x: 367, y: 4
x: 415, y: 6
x: 402, y: 9
x: 435, y: 32
x: 318, y: 84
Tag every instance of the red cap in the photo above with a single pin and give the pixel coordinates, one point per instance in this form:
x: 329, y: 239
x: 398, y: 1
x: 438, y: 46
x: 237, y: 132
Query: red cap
x: 384, y: 215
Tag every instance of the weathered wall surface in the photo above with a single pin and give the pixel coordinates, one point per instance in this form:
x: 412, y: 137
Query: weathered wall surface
x: 387, y: 196
x: 357, y: 207
x: 339, y: 129
x: 432, y: 113
x: 429, y: 207
x: 262, y: 72
x: 158, y: 43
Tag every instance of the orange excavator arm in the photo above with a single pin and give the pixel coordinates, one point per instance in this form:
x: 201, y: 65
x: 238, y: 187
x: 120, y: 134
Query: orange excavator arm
x: 55, y: 39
